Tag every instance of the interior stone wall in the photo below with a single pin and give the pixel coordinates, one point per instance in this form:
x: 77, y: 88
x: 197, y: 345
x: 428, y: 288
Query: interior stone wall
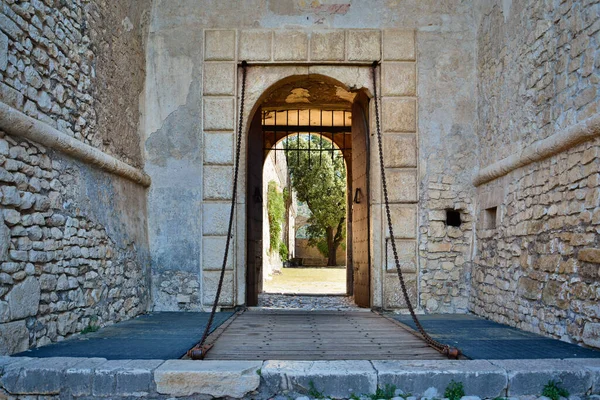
x: 192, y: 90
x: 73, y: 240
x: 78, y: 66
x: 538, y: 268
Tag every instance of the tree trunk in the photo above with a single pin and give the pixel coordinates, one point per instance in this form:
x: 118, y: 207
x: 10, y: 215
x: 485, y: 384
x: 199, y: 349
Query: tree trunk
x: 331, y: 247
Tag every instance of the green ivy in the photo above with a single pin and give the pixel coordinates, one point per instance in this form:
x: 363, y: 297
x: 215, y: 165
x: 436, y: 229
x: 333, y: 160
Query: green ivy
x: 276, y: 213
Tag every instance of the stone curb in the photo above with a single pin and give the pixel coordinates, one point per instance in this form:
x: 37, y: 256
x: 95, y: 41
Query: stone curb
x: 116, y: 379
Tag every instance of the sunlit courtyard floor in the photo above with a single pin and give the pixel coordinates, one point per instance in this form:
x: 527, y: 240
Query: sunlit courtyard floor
x: 308, y: 281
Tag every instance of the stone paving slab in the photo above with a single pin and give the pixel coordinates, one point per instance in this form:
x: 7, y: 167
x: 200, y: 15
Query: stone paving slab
x: 479, y: 377
x: 339, y: 379
x: 530, y: 376
x: 214, y: 378
x: 65, y: 377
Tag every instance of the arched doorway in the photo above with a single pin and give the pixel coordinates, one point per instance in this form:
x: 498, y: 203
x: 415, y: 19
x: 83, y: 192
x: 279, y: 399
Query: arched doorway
x: 317, y: 93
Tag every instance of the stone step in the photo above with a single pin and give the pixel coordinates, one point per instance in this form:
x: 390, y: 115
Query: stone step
x: 120, y: 379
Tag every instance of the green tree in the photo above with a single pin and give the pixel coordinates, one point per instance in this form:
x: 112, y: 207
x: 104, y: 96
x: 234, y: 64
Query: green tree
x: 320, y: 182
x: 275, y: 212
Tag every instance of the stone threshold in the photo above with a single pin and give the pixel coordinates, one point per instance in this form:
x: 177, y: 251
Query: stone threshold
x: 118, y: 379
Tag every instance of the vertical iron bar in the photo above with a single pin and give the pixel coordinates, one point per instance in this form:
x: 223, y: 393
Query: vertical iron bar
x: 274, y: 147
x: 332, y: 133
x: 321, y: 137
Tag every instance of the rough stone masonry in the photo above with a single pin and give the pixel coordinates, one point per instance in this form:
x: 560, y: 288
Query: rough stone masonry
x: 489, y: 113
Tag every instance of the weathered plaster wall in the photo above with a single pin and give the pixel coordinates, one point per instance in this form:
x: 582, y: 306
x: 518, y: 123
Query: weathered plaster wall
x: 538, y: 268
x: 73, y: 242
x: 431, y: 58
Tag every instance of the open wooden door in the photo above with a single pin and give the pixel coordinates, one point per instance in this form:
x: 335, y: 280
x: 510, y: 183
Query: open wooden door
x: 360, y: 204
x: 254, y: 211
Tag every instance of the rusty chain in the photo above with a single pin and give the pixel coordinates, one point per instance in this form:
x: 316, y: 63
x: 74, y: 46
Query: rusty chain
x: 445, y: 349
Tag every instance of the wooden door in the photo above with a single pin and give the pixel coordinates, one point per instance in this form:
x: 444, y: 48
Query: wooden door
x: 254, y: 211
x: 360, y: 205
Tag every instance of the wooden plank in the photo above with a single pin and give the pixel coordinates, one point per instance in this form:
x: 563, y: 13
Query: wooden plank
x: 296, y: 335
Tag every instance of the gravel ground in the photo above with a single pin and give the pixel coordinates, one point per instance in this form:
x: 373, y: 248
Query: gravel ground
x: 300, y: 302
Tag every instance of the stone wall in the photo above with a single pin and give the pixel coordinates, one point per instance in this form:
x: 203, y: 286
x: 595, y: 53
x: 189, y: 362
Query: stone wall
x: 538, y: 71
x: 66, y: 260
x: 537, y: 231
x: 428, y: 85
x: 78, y: 66
x: 73, y: 239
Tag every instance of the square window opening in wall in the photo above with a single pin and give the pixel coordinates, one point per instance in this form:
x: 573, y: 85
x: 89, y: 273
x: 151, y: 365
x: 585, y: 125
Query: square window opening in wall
x: 453, y: 218
x: 490, y: 218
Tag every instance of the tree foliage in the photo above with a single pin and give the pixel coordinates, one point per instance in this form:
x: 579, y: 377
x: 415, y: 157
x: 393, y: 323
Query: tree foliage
x: 276, y: 213
x: 320, y: 182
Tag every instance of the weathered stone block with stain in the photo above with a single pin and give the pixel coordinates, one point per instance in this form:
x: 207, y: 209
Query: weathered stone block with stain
x: 255, y: 45
x: 363, y: 45
x: 402, y: 185
x: 213, y: 252
x: 219, y: 45
x: 398, y: 45
x: 400, y: 150
x: 327, y: 45
x: 400, y: 79
x: 219, y: 78
x: 399, y: 115
x: 213, y: 378
x: 218, y: 114
x: 290, y: 45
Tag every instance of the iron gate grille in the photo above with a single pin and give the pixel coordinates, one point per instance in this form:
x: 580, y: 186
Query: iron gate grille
x: 334, y: 126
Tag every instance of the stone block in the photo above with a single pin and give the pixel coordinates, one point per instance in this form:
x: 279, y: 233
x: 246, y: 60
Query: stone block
x: 218, y: 148
x: 255, y: 45
x: 402, y: 185
x: 593, y: 366
x: 399, y: 79
x: 404, y: 221
x: 399, y: 115
x: 591, y: 334
x: 398, y: 45
x: 407, y: 255
x: 215, y: 378
x: 40, y: 376
x: 79, y: 378
x: 11, y: 96
x: 210, y: 281
x: 289, y: 45
x: 215, y: 218
x: 219, y: 79
x: 219, y: 114
x: 105, y: 377
x: 364, y: 45
x: 136, y: 378
x: 479, y: 377
x: 24, y: 298
x: 528, y: 377
x: 400, y: 150
x: 218, y: 182
x: 3, y: 51
x: 589, y: 255
x: 392, y: 291
x: 14, y: 337
x: 335, y: 379
x: 219, y: 45
x: 327, y: 45
x: 213, y: 249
